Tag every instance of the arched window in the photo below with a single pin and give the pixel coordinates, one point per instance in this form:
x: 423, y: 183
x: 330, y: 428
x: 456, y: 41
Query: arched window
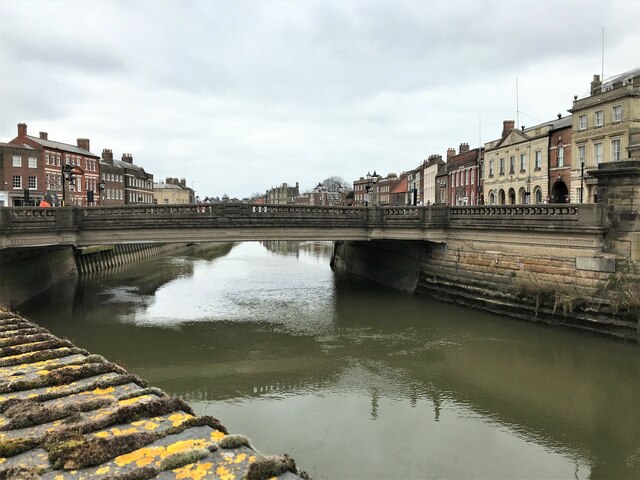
x: 512, y: 196
x: 501, y: 197
x: 492, y: 198
x: 522, y: 196
x: 537, y: 192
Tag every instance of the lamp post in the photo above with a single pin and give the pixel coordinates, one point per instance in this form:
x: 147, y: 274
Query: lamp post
x: 581, y: 180
x: 340, y: 190
x: 101, y: 186
x: 371, y: 179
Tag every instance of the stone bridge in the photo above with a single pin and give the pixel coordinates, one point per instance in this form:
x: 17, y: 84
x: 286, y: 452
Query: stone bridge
x: 555, y: 226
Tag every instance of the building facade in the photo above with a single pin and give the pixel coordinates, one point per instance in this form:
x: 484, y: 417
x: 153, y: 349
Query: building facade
x: 516, y: 165
x: 606, y: 128
x: 464, y: 175
x: 430, y: 169
x: 70, y: 173
x: 173, y: 192
x: 21, y: 176
x: 283, y: 195
x: 560, y: 160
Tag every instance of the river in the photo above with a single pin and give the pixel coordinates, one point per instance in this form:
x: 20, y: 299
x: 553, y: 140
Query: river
x: 355, y: 380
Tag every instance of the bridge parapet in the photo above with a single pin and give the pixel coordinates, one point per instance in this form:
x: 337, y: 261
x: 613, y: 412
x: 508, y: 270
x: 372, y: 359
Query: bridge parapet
x: 545, y: 216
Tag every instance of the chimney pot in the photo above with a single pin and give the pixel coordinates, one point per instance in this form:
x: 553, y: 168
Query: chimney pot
x: 464, y: 147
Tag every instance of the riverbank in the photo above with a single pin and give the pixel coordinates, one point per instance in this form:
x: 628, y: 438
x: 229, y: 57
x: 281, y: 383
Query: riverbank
x: 65, y: 413
x: 534, y: 286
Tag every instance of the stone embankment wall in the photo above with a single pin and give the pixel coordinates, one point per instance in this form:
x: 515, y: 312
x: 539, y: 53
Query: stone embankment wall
x: 25, y: 273
x: 94, y: 259
x: 601, y: 296
x: 540, y: 288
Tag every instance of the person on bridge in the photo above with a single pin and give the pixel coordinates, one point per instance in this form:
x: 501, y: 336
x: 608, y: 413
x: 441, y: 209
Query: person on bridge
x: 44, y: 204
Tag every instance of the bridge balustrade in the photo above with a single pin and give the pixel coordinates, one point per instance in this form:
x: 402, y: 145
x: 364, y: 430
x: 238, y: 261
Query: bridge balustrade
x: 358, y: 221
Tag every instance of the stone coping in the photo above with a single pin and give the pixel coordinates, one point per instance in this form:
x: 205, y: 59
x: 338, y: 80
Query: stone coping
x: 67, y: 414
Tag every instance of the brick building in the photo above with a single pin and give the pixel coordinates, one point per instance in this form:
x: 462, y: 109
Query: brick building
x: 52, y: 158
x: 560, y: 161
x: 21, y: 175
x: 463, y: 169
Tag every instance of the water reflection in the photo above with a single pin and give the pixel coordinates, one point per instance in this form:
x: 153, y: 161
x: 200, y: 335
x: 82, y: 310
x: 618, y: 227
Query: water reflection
x: 356, y: 380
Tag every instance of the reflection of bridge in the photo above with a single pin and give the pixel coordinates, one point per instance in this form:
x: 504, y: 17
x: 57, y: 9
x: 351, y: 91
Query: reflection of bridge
x: 567, y: 225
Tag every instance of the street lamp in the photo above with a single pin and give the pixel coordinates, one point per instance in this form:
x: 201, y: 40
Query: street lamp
x: 101, y: 186
x: 371, y: 179
x: 340, y: 190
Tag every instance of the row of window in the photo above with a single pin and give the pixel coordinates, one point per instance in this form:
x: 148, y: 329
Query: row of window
x: 16, y: 161
x: 598, y: 118
x: 523, y: 162
x: 32, y: 182
x: 55, y: 159
x: 616, y: 152
x: 139, y: 183
x: 111, y: 177
x: 463, y: 177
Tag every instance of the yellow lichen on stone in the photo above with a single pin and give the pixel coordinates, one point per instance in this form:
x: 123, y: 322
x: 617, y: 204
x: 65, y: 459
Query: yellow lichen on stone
x: 103, y: 391
x: 178, y: 418
x: 224, y: 473
x: 102, y: 434
x: 59, y: 477
x: 217, y: 435
x: 103, y: 470
x: 151, y: 426
x: 147, y: 455
x: 2, y: 460
x: 252, y: 458
x: 240, y: 458
x: 131, y: 401
x: 195, y: 472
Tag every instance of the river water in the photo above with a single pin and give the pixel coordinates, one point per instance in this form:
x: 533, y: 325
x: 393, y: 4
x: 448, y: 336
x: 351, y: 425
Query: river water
x: 355, y: 380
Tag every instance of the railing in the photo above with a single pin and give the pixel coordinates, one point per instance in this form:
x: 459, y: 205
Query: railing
x: 570, y: 216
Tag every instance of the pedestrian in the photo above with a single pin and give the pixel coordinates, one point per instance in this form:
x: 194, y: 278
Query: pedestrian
x: 44, y: 204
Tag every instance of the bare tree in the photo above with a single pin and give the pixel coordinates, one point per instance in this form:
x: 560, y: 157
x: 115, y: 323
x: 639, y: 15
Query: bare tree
x: 332, y: 183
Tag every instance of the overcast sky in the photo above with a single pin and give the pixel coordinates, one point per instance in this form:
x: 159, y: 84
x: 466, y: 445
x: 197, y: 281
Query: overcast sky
x: 238, y: 96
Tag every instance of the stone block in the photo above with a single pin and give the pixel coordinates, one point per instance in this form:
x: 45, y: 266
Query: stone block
x: 597, y: 264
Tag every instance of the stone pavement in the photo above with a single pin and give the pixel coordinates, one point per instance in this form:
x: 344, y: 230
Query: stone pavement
x: 67, y: 414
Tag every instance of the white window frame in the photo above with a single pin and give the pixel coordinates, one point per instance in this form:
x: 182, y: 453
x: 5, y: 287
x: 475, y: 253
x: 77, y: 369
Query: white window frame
x: 582, y: 154
x: 16, y: 161
x: 560, y: 153
x: 16, y: 185
x: 490, y: 168
x: 538, y: 160
x: 582, y: 122
x: 33, y: 185
x: 616, y: 150
x: 32, y: 162
x: 523, y: 162
x: 597, y: 153
x: 598, y: 118
x: 616, y: 113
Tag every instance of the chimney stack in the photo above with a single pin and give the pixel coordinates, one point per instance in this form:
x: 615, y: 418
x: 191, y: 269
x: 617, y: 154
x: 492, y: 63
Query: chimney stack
x: 107, y: 156
x: 507, y: 126
x: 22, y: 129
x: 83, y: 143
x: 183, y: 182
x: 44, y: 135
x: 434, y: 158
x: 596, y: 85
x: 451, y: 152
x: 127, y: 157
x: 464, y: 147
